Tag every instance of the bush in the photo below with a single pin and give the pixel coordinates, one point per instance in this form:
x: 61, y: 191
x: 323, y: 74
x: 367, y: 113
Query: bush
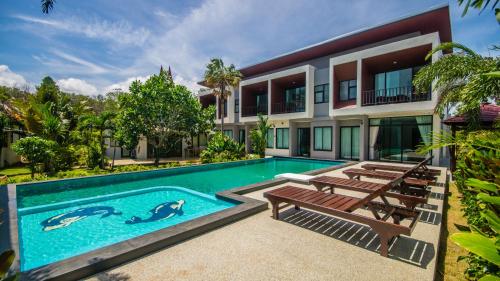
x: 222, y: 149
x: 35, y: 150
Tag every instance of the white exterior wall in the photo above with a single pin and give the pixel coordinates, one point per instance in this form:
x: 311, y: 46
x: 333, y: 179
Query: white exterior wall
x: 8, y: 157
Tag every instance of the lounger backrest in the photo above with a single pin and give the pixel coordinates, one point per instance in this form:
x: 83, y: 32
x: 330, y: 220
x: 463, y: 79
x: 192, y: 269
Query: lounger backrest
x: 416, y: 167
x: 377, y: 193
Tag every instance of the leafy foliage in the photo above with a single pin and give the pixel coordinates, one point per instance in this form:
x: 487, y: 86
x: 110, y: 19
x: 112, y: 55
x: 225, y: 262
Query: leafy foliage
x: 258, y: 136
x: 480, y: 5
x: 460, y: 79
x: 35, y: 150
x: 6, y: 260
x: 221, y: 79
x: 222, y: 148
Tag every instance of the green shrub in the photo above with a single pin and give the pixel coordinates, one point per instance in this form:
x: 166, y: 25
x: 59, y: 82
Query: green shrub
x: 93, y: 156
x: 36, y: 151
x: 222, y: 149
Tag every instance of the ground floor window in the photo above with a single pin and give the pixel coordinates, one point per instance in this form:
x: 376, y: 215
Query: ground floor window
x: 397, y: 138
x: 228, y: 133
x: 241, y: 136
x: 270, y: 138
x: 323, y: 138
x: 349, y: 142
x: 282, y: 138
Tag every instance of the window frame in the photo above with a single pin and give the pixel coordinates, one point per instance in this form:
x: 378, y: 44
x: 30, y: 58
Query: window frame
x: 349, y: 87
x: 325, y: 90
x: 322, y: 144
x: 281, y: 130
x: 236, y: 106
x: 229, y: 130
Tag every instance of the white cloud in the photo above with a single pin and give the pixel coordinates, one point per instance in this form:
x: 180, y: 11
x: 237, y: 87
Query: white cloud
x: 77, y: 86
x: 69, y: 64
x: 120, y: 32
x: 11, y: 79
x: 123, y: 85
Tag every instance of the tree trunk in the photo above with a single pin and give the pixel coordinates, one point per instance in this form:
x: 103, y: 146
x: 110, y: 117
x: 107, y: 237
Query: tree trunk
x: 113, y: 162
x: 32, y: 168
x: 221, y: 104
x: 101, y: 143
x: 157, y: 156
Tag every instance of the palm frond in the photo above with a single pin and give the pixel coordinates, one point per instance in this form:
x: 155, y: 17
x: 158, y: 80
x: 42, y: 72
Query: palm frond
x: 47, y: 5
x: 450, y: 46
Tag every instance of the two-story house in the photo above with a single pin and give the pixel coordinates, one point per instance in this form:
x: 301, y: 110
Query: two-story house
x: 349, y: 97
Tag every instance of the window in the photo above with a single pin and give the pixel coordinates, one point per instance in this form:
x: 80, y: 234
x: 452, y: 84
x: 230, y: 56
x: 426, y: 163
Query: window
x: 241, y: 137
x: 321, y: 93
x: 349, y: 142
x: 228, y: 133
x: 270, y: 138
x: 394, y: 83
x: 323, y: 138
x: 348, y: 90
x: 236, y: 106
x: 282, y: 138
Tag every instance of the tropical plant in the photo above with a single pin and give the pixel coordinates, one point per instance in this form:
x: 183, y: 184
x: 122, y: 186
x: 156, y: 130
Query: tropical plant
x: 35, y: 150
x: 6, y: 261
x: 480, y: 5
x: 258, y: 136
x: 98, y: 124
x: 4, y: 122
x: 160, y: 110
x: 47, y: 5
x: 221, y: 79
x: 464, y: 79
x: 222, y: 148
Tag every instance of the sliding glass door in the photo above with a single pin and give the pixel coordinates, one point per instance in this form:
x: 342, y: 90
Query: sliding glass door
x: 396, y: 139
x: 349, y: 143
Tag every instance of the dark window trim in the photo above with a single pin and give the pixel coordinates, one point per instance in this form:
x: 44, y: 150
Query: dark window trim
x: 348, y: 90
x: 325, y: 93
x: 236, y: 106
x: 288, y: 143
x: 314, y: 138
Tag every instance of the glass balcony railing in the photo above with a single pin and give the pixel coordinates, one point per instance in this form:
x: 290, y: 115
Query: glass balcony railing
x: 288, y: 107
x: 253, y: 110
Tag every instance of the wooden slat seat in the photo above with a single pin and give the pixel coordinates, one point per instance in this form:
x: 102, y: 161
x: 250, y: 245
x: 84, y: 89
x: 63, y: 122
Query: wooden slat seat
x: 393, y: 168
x: 343, y: 206
x: 355, y: 173
x: 409, y: 200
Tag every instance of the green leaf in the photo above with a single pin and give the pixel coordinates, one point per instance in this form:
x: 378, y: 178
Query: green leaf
x: 493, y: 220
x: 495, y: 74
x: 463, y: 228
x: 6, y: 260
x: 482, y: 185
x: 489, y: 277
x: 479, y: 245
x: 488, y: 198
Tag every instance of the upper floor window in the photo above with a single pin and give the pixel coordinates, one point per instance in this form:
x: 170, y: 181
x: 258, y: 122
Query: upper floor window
x: 348, y: 90
x: 236, y: 106
x: 321, y: 93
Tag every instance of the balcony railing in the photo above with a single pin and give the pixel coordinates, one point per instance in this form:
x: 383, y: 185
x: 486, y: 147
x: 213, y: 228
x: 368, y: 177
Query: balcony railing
x: 253, y: 110
x: 289, y: 107
x: 393, y: 95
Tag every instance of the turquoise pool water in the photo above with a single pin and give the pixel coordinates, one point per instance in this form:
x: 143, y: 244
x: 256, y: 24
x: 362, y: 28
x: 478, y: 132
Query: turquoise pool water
x: 79, y: 215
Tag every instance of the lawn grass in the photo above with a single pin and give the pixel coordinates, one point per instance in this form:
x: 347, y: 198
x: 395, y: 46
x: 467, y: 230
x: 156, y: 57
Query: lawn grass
x: 14, y: 171
x: 448, y: 268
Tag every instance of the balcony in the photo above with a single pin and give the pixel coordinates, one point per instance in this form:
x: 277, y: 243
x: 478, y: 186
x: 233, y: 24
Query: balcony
x: 253, y: 110
x: 289, y: 107
x: 392, y: 95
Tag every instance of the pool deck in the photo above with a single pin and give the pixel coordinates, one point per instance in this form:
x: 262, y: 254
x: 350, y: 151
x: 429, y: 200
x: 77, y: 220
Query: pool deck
x: 302, y: 245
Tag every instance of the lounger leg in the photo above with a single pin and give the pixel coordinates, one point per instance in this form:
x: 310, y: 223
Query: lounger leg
x: 384, y: 244
x: 275, y: 210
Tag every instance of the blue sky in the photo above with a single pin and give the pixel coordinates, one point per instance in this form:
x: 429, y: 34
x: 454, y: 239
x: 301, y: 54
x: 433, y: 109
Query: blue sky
x: 92, y: 46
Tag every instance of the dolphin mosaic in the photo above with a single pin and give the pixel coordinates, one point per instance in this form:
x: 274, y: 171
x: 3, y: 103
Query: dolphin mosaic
x: 64, y: 220
x: 161, y: 212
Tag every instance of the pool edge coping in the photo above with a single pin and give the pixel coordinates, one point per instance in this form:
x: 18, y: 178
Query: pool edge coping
x: 98, y: 260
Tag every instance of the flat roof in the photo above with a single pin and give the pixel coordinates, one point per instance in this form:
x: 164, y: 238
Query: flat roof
x: 436, y: 18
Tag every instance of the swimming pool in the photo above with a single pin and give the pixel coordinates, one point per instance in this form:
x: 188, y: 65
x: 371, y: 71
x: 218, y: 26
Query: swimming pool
x: 76, y: 216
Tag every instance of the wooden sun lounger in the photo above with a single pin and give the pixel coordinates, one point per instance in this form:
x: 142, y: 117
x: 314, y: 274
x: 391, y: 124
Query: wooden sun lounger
x: 355, y: 173
x: 342, y: 207
x: 406, y: 196
x: 423, y: 170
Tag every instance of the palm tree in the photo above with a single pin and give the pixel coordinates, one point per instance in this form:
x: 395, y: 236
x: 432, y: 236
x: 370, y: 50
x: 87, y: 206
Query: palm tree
x: 220, y: 78
x: 47, y: 5
x: 463, y: 79
x: 100, y: 123
x: 259, y: 135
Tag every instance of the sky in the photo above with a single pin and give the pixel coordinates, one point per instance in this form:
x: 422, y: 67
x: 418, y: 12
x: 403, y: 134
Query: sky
x: 92, y: 47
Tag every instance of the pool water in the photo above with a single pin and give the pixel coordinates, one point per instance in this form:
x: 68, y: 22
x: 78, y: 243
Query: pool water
x: 45, y: 244
x: 80, y: 215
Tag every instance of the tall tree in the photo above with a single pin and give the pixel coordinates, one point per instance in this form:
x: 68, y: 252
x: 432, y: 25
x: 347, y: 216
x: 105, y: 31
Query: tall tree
x: 160, y: 110
x: 221, y: 79
x: 48, y: 91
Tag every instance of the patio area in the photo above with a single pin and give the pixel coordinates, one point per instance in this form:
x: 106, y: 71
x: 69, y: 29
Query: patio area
x: 303, y: 244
